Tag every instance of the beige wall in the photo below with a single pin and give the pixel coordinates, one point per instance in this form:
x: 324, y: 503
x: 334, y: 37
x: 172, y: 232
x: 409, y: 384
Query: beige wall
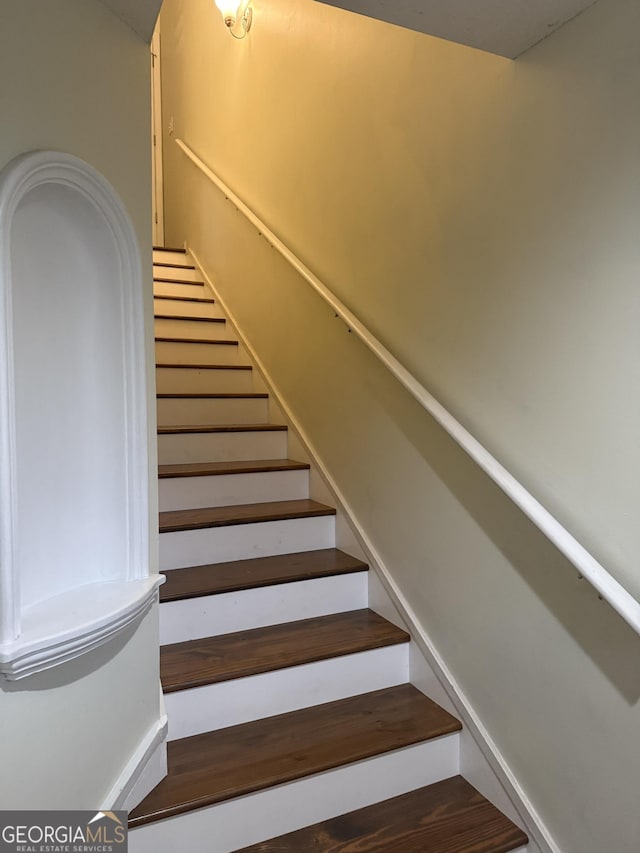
x: 481, y: 217
x: 75, y: 78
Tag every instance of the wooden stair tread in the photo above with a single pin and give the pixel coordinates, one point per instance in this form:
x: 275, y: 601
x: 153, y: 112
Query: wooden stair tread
x: 212, y: 395
x: 220, y: 765
x: 164, y: 280
x: 190, y: 318
x: 200, y: 299
x: 210, y: 660
x: 212, y: 469
x: 162, y: 364
x: 182, y: 251
x: 173, y: 266
x: 179, y: 339
x: 224, y: 516
x: 446, y: 817
x: 237, y: 575
x: 202, y: 428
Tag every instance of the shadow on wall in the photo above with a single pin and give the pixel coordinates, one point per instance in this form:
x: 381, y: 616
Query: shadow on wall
x: 364, y: 389
x: 600, y: 632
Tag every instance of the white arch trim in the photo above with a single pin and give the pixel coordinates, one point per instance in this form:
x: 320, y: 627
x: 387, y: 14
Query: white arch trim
x: 38, y: 637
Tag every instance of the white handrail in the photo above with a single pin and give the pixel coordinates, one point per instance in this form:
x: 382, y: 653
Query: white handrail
x: 588, y: 567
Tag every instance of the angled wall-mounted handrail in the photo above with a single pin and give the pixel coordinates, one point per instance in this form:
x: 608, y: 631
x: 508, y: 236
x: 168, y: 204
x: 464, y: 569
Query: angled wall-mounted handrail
x: 588, y: 567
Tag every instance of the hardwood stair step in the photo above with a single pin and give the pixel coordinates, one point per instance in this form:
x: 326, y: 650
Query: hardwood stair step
x: 224, y: 516
x: 163, y: 280
x: 211, y: 660
x: 238, y: 575
x: 200, y: 299
x: 221, y: 765
x: 202, y: 428
x: 182, y: 251
x: 213, y: 469
x: 179, y: 339
x: 446, y: 817
x: 208, y: 395
x: 172, y: 366
x: 173, y: 266
x: 190, y: 318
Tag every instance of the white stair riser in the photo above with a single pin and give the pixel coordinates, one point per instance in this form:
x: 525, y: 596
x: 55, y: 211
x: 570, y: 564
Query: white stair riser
x: 221, y: 446
x: 232, y: 489
x: 192, y: 380
x: 228, y: 612
x: 163, y: 288
x: 173, y: 352
x: 185, y: 308
x: 163, y: 257
x: 217, y: 706
x: 244, y: 541
x: 176, y: 273
x: 193, y: 329
x: 256, y: 817
x: 186, y: 411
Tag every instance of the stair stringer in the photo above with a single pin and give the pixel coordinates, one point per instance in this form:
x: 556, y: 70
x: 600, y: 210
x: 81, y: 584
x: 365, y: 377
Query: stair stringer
x: 481, y: 762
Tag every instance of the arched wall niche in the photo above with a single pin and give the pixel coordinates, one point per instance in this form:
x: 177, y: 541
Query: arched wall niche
x: 74, y: 538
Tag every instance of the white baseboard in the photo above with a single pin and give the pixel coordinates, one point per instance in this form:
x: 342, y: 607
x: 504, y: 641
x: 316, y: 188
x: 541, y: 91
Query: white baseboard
x: 541, y: 840
x: 144, y: 770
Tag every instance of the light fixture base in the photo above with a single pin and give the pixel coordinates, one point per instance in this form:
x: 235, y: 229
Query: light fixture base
x: 237, y: 16
x: 239, y: 26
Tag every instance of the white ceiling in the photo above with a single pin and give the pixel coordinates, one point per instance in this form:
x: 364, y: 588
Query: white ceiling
x: 504, y: 27
x: 141, y: 15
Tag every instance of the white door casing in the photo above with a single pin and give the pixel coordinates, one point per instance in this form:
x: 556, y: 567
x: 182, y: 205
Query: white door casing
x: 156, y: 141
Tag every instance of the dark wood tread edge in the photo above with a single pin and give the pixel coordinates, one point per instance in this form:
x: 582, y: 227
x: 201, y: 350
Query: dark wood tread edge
x: 228, y: 763
x: 169, y: 249
x: 173, y: 266
x: 166, y: 365
x: 207, y: 428
x: 175, y: 339
x: 220, y: 469
x: 177, y: 281
x: 212, y: 660
x: 224, y: 395
x: 189, y: 318
x: 447, y: 817
x: 179, y: 520
x: 205, y: 300
x: 257, y: 572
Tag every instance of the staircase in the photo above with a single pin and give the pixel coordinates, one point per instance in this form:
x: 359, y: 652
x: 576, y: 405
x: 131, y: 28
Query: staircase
x: 291, y: 711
